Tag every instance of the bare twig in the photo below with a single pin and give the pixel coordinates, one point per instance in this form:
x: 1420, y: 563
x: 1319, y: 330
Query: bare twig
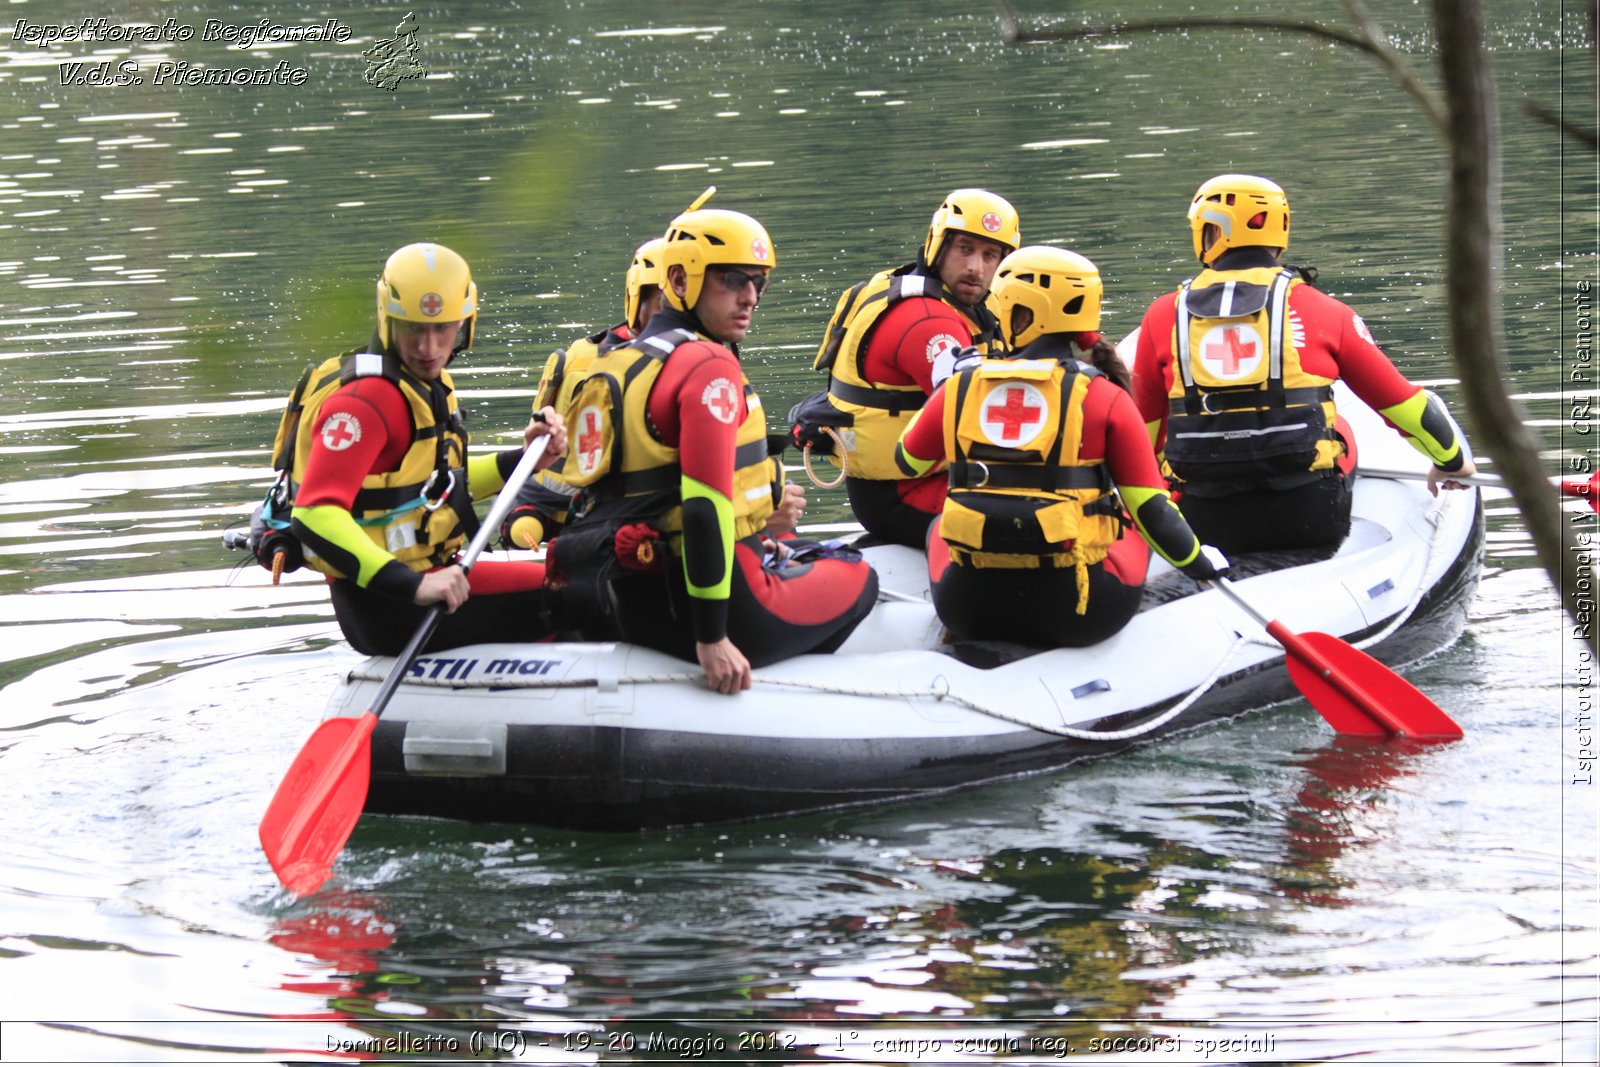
x: 1369, y: 40
x: 1396, y: 64
x: 1584, y: 135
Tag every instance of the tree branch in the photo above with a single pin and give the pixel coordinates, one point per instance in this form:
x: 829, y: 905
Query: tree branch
x: 1584, y: 135
x: 1472, y: 276
x: 1369, y: 40
x: 1399, y: 69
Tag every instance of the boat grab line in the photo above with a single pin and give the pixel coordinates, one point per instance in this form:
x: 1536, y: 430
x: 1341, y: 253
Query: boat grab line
x: 941, y: 693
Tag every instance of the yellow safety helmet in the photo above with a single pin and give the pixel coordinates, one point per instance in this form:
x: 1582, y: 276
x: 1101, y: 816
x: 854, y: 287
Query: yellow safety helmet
x: 427, y: 283
x: 1246, y: 210
x: 644, y: 270
x: 707, y: 237
x: 974, y: 211
x: 1062, y: 289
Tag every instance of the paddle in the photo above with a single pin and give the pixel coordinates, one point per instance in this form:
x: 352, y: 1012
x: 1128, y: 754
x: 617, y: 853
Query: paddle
x: 321, y: 797
x: 1589, y: 490
x: 1354, y: 692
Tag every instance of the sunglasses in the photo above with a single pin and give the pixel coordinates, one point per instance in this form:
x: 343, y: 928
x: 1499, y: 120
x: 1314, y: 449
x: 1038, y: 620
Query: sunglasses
x: 736, y: 280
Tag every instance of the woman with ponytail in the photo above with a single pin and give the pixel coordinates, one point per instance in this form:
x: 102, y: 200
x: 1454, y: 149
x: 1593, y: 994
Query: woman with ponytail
x: 1050, y: 470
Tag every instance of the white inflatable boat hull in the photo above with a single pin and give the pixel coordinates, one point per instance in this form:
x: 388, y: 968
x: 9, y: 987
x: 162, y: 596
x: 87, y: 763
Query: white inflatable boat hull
x: 614, y: 736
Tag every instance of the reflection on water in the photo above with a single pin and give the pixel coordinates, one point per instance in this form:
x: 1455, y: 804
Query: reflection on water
x: 170, y: 258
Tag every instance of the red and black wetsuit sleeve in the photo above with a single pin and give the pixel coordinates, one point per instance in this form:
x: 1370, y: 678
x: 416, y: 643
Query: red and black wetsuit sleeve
x: 697, y: 405
x: 1339, y: 345
x: 1115, y: 430
x: 910, y: 337
x: 362, y: 428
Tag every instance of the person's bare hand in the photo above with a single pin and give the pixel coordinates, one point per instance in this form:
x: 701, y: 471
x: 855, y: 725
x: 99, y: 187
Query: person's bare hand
x: 547, y: 423
x: 1438, y: 479
x: 447, y: 585
x: 727, y: 671
x: 789, y: 512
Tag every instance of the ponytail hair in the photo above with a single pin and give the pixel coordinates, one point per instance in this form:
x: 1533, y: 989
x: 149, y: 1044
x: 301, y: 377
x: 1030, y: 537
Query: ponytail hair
x: 1101, y: 354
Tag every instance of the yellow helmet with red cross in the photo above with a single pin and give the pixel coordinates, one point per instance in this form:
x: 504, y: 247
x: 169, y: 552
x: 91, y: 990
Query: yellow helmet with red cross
x: 427, y: 283
x: 708, y: 237
x: 974, y: 211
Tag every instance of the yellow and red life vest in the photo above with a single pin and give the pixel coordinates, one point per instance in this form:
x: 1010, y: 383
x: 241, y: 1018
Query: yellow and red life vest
x: 880, y: 412
x: 1243, y: 411
x: 421, y: 512
x: 566, y: 366
x: 1021, y: 493
x: 613, y: 452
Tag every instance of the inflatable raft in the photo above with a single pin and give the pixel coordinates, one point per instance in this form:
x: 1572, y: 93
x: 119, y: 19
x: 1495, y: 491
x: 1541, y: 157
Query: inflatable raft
x: 614, y: 736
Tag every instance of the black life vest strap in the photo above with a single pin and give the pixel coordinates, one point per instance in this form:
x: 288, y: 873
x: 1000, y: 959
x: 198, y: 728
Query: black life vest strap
x: 894, y: 401
x: 975, y: 474
x: 1216, y: 402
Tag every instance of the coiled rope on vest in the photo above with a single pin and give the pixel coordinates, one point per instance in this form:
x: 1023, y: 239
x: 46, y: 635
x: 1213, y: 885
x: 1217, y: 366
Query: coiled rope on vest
x: 844, y: 456
x: 934, y: 692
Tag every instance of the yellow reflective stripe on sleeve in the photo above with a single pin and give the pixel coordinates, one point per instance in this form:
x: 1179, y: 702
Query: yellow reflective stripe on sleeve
x: 1411, y: 418
x: 483, y: 474
x: 338, y: 527
x: 692, y: 489
x: 912, y: 466
x: 1161, y: 524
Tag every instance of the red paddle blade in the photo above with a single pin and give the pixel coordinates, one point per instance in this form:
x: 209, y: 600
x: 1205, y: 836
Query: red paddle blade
x: 318, y: 802
x: 1589, y: 490
x: 1360, y: 696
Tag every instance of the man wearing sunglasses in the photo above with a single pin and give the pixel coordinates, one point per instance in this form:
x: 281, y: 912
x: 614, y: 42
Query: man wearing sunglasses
x: 670, y: 450
x: 893, y: 337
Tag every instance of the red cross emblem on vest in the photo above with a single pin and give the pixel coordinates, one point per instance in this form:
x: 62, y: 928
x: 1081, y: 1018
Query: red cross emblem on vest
x: 1230, y: 352
x: 1020, y: 406
x: 432, y: 304
x: 591, y: 444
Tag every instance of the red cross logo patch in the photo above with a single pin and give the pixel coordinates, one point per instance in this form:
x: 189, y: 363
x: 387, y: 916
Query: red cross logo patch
x: 1014, y: 414
x: 722, y: 400
x: 1230, y: 353
x: 941, y: 344
x: 339, y: 431
x: 991, y: 222
x: 758, y: 248
x: 591, y: 441
x: 432, y: 304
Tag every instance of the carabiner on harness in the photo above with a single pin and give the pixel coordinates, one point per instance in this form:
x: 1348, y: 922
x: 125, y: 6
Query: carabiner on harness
x: 429, y: 501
